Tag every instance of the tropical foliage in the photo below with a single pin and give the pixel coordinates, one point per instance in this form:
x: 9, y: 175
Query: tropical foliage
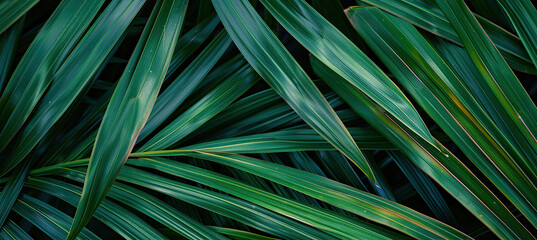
x: 288, y: 119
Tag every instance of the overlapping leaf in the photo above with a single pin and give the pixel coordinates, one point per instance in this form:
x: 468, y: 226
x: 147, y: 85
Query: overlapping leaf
x: 274, y: 63
x: 130, y: 106
x: 38, y: 66
x: 73, y: 76
x: 11, y: 10
x: 435, y: 160
x: 437, y: 89
x: 426, y: 15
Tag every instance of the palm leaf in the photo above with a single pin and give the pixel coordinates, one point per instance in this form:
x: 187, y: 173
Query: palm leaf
x: 129, y: 107
x: 336, y: 194
x: 8, y: 41
x: 11, y: 10
x: 72, y: 78
x: 435, y: 160
x: 523, y: 16
x: 386, y: 120
x: 122, y: 221
x: 392, y: 39
x: 43, y: 58
x: 284, y: 75
x: 427, y: 15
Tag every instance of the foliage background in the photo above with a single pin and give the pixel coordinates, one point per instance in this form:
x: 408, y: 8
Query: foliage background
x: 374, y: 119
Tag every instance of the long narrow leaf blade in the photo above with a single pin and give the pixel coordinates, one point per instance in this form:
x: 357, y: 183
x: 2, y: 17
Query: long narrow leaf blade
x: 277, y: 142
x: 364, y: 204
x: 523, y: 16
x: 122, y: 221
x: 332, y: 48
x: 8, y: 47
x: 129, y: 107
x: 335, y: 224
x: 12, y: 189
x: 274, y: 63
x: 434, y: 159
x: 223, y: 204
x: 38, y: 66
x: 435, y: 87
x: 426, y: 15
x: 73, y: 76
x: 11, y: 10
x: 497, y: 74
x: 171, y: 98
x: 203, y: 110
x: 50, y: 220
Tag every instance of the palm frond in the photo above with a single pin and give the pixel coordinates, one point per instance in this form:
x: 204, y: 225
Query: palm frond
x: 291, y: 119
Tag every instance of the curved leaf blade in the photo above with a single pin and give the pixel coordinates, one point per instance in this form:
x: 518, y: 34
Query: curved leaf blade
x: 435, y: 87
x: 211, y: 104
x: 130, y: 106
x: 435, y: 160
x: 523, y: 16
x: 276, y: 66
x: 12, y: 10
x: 276, y: 142
x: 361, y: 203
x: 426, y: 15
x: 172, y: 97
x: 332, y: 48
x: 36, y: 69
x: 73, y: 76
x: 123, y: 222
x: 335, y: 224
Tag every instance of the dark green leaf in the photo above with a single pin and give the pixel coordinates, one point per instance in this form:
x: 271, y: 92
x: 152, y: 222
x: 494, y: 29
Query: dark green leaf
x: 11, y: 10
x: 275, y: 65
x: 130, y: 106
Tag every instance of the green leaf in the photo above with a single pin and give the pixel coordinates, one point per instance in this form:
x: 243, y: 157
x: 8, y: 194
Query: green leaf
x: 123, y: 222
x: 12, y: 10
x: 434, y: 159
x: 240, y: 235
x: 79, y: 139
x: 12, y: 231
x: 491, y: 10
x: 425, y: 188
x: 426, y: 15
x: 115, y: 216
x: 333, y: 12
x: 240, y: 210
x: 460, y: 61
x: 50, y: 220
x: 205, y: 109
x: 39, y: 64
x: 339, y: 169
x: 332, y: 48
x: 8, y: 45
x: 130, y: 106
x: 260, y: 112
x: 383, y: 188
x: 162, y: 212
x: 73, y: 76
x: 523, y: 16
x: 12, y: 189
x: 276, y: 66
x: 358, y: 202
x: 437, y: 89
x: 499, y: 77
x: 279, y: 141
x: 205, y: 9
x: 190, y: 42
x: 172, y: 97
x: 234, y: 208
x: 337, y: 225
